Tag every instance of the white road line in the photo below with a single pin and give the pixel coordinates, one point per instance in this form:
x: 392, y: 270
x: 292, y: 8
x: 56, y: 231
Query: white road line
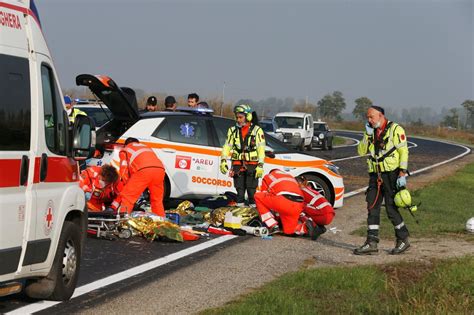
x: 348, y: 145
x: 468, y: 150
x: 42, y: 305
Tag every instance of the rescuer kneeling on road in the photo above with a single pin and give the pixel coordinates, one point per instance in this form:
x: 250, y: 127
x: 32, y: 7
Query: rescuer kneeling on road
x: 280, y: 193
x: 101, y: 186
x: 317, y: 211
x: 246, y: 140
x: 386, y: 144
x: 140, y: 168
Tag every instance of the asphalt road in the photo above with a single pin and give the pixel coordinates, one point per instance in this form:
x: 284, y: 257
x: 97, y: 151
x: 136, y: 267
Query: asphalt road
x: 112, y: 259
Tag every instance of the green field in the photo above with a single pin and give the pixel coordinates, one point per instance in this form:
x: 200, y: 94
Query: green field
x: 445, y: 207
x: 339, y: 141
x: 438, y: 287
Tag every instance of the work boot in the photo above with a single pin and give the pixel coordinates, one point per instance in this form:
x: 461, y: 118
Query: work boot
x: 400, y: 247
x: 369, y: 248
x: 317, y: 232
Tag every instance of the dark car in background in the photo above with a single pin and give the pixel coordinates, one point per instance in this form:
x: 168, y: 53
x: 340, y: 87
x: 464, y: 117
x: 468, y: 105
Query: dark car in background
x: 323, y: 137
x: 270, y: 127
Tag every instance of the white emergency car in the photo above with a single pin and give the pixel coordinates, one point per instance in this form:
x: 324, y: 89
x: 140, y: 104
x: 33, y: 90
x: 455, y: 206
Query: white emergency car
x: 189, y: 145
x: 42, y: 208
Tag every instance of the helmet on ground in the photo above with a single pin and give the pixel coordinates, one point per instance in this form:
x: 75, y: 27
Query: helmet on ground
x: 403, y: 199
x: 244, y: 109
x: 470, y: 225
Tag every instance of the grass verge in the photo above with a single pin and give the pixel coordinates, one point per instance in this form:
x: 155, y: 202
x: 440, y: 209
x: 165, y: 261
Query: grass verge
x: 339, y: 141
x: 438, y: 287
x: 446, y: 205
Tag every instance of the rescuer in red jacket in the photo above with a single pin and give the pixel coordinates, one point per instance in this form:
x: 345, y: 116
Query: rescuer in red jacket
x: 280, y: 193
x: 317, y: 211
x: 101, y: 186
x: 140, y: 168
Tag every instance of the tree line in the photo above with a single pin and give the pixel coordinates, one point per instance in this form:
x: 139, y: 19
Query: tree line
x: 330, y: 107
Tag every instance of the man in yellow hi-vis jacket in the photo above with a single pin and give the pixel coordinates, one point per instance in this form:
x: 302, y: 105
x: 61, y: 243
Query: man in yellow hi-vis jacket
x: 71, y: 111
x: 386, y: 144
x: 245, y: 144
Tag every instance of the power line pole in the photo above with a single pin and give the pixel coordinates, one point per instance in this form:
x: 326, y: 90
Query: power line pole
x: 223, y: 95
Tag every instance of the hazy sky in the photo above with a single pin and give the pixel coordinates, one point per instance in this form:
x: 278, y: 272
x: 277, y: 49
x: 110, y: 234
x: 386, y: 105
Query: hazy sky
x: 395, y: 52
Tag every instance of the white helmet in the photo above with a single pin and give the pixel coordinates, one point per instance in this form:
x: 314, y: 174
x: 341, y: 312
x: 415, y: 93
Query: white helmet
x: 470, y: 225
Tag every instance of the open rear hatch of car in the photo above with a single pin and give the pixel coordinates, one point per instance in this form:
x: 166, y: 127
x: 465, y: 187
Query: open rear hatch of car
x: 122, y: 103
x: 120, y: 100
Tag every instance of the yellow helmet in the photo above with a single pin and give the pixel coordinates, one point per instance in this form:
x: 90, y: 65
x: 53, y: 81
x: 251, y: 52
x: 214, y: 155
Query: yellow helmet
x: 244, y: 109
x: 403, y: 199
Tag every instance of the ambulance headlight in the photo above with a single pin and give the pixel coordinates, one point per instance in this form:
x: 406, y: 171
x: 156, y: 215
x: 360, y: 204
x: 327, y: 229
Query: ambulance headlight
x: 297, y: 135
x: 321, y: 136
x: 333, y: 168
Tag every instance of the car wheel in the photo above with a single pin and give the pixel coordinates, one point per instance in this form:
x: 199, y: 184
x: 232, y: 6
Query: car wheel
x: 61, y: 281
x: 325, y: 144
x: 321, y: 186
x: 301, y: 147
x: 330, y: 145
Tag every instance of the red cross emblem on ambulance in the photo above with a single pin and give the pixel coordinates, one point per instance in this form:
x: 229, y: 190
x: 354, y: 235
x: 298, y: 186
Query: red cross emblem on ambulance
x: 49, y: 217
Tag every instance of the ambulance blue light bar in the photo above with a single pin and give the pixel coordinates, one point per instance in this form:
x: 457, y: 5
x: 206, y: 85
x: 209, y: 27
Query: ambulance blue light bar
x: 195, y: 110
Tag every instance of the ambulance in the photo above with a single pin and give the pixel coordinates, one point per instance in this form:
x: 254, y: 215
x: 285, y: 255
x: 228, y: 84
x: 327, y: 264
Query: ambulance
x: 42, y: 209
x: 189, y: 143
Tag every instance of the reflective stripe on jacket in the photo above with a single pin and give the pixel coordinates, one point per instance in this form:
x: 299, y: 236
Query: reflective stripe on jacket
x: 390, y: 153
x: 314, y: 200
x: 253, y: 149
x: 136, y: 156
x: 281, y: 183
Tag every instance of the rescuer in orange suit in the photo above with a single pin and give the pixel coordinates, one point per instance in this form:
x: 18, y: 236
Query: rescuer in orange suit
x: 140, y: 168
x: 317, y: 211
x: 101, y: 186
x: 280, y: 193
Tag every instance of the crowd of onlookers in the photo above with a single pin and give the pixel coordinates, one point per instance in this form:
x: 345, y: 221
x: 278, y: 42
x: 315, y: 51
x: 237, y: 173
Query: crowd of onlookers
x: 170, y: 103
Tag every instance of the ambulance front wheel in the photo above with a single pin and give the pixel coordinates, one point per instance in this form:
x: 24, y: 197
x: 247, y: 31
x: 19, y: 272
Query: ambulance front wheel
x: 59, y: 285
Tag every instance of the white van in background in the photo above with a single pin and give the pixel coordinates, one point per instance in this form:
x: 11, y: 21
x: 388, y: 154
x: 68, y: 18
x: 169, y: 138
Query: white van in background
x: 42, y: 208
x: 297, y: 129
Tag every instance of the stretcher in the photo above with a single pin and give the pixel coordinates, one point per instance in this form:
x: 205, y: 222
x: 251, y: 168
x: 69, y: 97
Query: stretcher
x: 108, y: 225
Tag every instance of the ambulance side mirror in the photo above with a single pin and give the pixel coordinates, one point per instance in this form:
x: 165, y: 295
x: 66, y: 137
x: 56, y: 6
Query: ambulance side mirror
x: 83, y: 143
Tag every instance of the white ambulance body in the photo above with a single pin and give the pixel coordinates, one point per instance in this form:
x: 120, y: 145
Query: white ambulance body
x: 42, y: 218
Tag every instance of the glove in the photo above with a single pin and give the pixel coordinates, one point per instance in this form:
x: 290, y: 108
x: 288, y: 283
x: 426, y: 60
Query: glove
x: 88, y: 196
x: 368, y: 129
x: 259, y: 172
x: 401, y: 182
x: 224, y: 167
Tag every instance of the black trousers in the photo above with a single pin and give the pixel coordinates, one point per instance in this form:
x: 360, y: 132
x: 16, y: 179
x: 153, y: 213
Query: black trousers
x: 374, y: 198
x: 244, y: 180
